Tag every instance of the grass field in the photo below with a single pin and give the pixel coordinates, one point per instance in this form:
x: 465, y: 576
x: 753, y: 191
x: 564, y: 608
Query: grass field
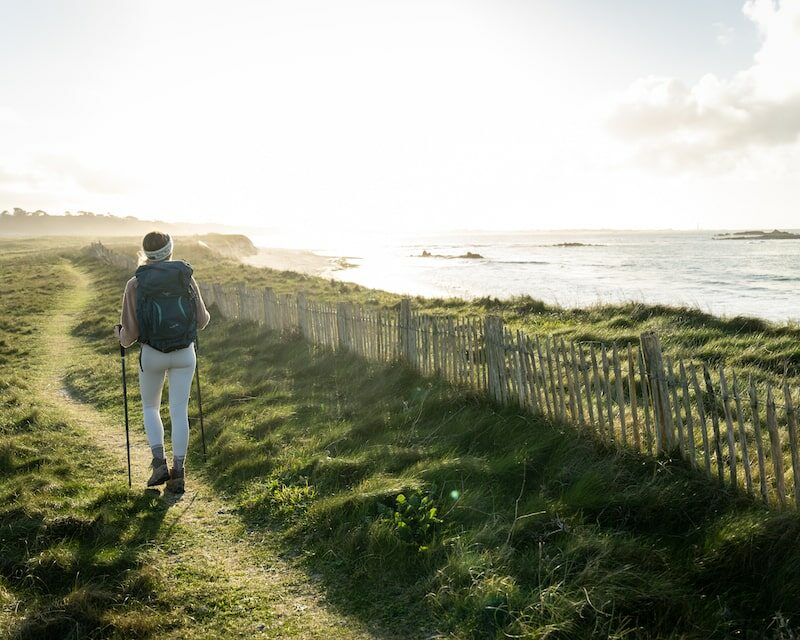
x: 399, y: 506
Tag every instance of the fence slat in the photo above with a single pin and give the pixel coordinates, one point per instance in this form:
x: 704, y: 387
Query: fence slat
x: 701, y: 413
x: 562, y: 407
x: 522, y: 376
x: 620, y: 394
x: 598, y: 391
x: 637, y: 440
x: 646, y: 402
x: 662, y: 413
x: 573, y: 411
x: 506, y: 386
x: 726, y: 398
x: 609, y: 401
x: 687, y: 406
x: 673, y: 387
x: 715, y: 424
x: 775, y: 447
x: 451, y: 347
x: 528, y: 378
x: 558, y: 406
x: 576, y: 382
x: 494, y: 329
x: 587, y: 387
x: 762, y: 470
x: 791, y: 421
x: 743, y: 448
x: 543, y: 371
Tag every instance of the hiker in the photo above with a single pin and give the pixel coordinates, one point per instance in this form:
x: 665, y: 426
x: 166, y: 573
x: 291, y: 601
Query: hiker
x: 162, y: 309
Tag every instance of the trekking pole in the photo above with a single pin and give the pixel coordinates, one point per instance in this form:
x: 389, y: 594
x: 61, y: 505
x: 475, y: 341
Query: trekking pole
x: 199, y: 399
x: 125, y: 402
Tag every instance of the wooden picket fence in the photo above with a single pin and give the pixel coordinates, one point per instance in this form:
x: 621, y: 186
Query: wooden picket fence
x: 743, y: 433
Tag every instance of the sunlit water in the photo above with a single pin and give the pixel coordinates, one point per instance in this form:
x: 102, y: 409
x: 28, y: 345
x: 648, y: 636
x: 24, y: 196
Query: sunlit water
x: 743, y: 277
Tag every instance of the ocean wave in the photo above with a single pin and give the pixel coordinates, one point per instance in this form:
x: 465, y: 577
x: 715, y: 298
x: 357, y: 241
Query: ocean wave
x: 519, y: 261
x: 770, y: 278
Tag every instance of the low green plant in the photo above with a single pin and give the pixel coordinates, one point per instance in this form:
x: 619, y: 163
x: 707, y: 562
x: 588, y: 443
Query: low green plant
x: 414, y: 518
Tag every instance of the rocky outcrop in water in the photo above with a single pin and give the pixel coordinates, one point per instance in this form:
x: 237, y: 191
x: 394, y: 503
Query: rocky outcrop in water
x: 468, y: 255
x: 775, y: 234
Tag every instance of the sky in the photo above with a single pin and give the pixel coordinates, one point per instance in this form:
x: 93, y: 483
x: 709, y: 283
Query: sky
x: 406, y: 115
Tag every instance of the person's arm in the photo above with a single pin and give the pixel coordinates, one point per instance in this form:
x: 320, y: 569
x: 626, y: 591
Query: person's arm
x: 128, y: 331
x: 203, y: 317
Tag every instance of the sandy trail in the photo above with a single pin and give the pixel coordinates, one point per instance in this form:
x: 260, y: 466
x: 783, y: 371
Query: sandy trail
x: 234, y: 582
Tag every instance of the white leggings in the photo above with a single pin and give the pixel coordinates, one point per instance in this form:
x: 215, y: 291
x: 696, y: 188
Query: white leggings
x: 179, y: 366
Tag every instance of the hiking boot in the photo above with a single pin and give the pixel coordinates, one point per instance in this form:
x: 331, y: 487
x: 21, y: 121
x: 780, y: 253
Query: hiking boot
x: 175, y: 484
x: 160, y: 472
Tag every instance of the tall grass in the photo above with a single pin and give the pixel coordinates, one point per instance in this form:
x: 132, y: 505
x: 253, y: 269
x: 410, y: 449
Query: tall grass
x: 538, y: 530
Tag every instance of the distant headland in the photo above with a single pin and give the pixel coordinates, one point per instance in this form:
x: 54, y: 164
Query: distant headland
x: 775, y: 234
x: 19, y: 222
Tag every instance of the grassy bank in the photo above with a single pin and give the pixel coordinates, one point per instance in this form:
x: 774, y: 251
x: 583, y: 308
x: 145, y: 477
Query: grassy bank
x: 538, y: 531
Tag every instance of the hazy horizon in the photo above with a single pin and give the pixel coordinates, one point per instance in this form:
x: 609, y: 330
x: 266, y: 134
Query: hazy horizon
x: 255, y: 230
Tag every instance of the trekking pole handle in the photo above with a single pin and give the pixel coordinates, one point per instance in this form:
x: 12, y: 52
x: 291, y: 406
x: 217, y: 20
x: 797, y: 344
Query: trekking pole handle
x: 118, y: 327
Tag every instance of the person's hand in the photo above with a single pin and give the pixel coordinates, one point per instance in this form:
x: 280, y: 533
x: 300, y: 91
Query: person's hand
x: 117, y: 329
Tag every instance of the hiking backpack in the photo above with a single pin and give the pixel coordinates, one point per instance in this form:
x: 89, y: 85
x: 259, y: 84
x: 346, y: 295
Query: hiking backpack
x: 165, y: 305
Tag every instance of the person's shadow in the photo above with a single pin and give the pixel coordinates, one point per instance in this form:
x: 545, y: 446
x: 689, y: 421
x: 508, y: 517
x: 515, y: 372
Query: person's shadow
x: 81, y: 566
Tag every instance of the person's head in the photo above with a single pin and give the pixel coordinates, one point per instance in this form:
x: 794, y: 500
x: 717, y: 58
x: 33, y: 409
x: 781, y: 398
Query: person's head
x: 156, y: 247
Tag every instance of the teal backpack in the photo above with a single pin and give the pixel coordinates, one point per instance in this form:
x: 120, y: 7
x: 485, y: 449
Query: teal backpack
x: 166, y: 305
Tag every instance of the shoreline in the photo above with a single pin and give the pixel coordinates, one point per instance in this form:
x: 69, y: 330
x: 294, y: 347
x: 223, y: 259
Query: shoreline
x: 325, y: 266
x: 715, y: 278
x: 299, y: 260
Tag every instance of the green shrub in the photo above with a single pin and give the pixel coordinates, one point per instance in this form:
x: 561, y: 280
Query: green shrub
x: 414, y: 518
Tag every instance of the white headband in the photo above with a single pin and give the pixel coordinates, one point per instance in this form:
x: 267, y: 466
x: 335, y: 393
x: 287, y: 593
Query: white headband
x: 163, y: 252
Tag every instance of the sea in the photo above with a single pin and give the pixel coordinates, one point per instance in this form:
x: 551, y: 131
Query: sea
x: 758, y: 278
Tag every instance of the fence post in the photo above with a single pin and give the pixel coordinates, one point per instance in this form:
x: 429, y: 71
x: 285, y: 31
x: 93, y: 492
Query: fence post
x: 406, y: 338
x: 302, y: 311
x: 269, y: 308
x: 654, y: 363
x: 241, y: 302
x: 343, y: 325
x: 493, y: 340
x: 219, y: 298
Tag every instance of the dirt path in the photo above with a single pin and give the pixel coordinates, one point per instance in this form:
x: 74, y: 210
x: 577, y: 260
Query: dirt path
x: 232, y: 584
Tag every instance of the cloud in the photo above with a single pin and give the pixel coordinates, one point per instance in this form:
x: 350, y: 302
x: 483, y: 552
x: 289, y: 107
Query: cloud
x: 725, y: 33
x: 8, y: 115
x: 716, y: 123
x: 87, y: 178
x: 58, y: 172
